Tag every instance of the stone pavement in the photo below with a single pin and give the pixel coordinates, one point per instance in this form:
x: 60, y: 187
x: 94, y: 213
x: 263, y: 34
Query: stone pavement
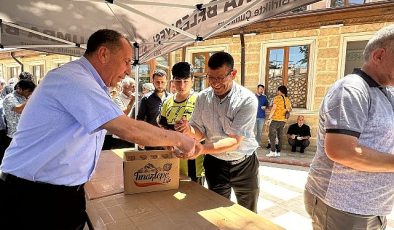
x: 287, y: 157
x: 281, y: 193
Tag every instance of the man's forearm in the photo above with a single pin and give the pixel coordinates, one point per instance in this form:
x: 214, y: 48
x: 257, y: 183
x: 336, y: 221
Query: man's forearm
x: 368, y: 160
x: 345, y: 150
x: 141, y: 132
x: 221, y: 146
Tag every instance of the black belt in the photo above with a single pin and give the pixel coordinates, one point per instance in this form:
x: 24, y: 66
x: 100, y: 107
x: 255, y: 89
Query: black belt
x: 11, y: 179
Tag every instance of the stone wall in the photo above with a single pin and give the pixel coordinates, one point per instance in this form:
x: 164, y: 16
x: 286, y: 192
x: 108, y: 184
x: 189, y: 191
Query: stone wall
x: 325, y: 69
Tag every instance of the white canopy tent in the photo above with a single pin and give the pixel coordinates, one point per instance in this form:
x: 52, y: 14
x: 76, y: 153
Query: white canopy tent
x: 155, y: 27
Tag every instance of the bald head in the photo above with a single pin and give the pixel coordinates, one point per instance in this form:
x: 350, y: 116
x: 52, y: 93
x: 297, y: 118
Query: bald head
x: 300, y: 120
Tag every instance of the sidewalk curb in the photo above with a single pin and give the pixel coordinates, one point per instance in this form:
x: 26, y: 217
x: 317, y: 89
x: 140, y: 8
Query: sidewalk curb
x: 280, y: 160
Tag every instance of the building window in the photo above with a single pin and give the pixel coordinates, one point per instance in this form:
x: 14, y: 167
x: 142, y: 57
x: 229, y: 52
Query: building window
x: 162, y: 62
x: 143, y: 75
x: 354, y: 55
x: 13, y: 72
x: 38, y: 72
x: 288, y: 66
x: 200, y: 64
x: 342, y: 3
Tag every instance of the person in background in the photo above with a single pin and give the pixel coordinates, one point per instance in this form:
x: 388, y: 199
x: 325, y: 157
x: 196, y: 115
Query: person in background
x: 125, y: 100
x: 260, y: 117
x: 180, y: 106
x: 351, y: 179
x: 60, y: 135
x: 14, y: 104
x: 149, y: 109
x: 12, y: 81
x: 298, y: 134
x: 2, y: 85
x: 108, y: 140
x: 277, y: 120
x: 147, y: 88
x: 3, y: 125
x: 7, y: 90
x: 172, y: 87
x: 4, y: 140
x: 26, y: 76
x: 224, y: 116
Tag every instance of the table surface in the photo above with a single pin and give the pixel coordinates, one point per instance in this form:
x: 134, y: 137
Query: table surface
x: 189, y: 207
x: 108, y: 177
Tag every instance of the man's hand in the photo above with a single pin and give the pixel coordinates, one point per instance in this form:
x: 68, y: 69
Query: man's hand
x: 293, y: 136
x: 199, y: 150
x: 183, y: 126
x: 186, y: 147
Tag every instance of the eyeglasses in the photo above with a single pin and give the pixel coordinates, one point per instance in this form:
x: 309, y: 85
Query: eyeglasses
x: 218, y: 79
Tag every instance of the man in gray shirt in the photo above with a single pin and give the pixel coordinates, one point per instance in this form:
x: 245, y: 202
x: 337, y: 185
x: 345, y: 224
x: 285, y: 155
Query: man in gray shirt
x: 351, y: 179
x: 225, y: 116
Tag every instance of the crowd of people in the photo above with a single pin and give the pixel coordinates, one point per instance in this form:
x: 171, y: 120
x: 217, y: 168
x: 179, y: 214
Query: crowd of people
x: 54, y: 135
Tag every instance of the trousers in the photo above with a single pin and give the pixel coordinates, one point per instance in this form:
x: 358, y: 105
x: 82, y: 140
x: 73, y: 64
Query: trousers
x: 325, y: 217
x: 241, y: 176
x: 35, y: 205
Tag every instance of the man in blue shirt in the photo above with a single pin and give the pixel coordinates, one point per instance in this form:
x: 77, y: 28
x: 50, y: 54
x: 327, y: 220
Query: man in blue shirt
x: 60, y: 135
x: 260, y: 117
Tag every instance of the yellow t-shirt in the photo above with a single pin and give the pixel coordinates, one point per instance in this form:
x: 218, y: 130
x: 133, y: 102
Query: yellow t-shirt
x: 172, y: 112
x: 279, y: 114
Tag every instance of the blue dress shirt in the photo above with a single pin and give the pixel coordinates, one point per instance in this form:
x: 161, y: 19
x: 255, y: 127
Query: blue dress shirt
x: 59, y: 139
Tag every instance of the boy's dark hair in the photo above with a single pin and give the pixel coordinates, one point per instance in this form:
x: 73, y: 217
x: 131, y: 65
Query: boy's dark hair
x: 110, y: 38
x: 219, y: 59
x: 182, y: 70
x: 260, y: 85
x: 283, y: 89
x: 25, y: 85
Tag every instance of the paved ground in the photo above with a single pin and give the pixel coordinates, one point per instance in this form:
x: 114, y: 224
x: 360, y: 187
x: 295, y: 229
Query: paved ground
x: 281, y: 198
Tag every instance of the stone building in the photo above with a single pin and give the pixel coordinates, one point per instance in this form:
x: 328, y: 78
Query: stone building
x: 307, y: 50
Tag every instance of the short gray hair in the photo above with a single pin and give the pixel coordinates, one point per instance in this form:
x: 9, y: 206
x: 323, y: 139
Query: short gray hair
x: 384, y: 38
x: 128, y: 81
x: 148, y: 86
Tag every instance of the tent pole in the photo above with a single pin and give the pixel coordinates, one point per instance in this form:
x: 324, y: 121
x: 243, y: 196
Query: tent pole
x: 242, y: 39
x: 136, y: 65
x: 41, y: 34
x: 148, y: 3
x: 1, y: 29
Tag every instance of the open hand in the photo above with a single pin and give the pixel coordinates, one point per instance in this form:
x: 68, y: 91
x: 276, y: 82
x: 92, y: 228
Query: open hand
x: 183, y: 126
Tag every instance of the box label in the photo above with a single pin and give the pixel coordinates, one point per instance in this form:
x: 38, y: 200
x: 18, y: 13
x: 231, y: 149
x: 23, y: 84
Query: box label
x: 150, y: 175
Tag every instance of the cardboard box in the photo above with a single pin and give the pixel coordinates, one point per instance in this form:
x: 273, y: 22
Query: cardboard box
x: 148, y: 171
